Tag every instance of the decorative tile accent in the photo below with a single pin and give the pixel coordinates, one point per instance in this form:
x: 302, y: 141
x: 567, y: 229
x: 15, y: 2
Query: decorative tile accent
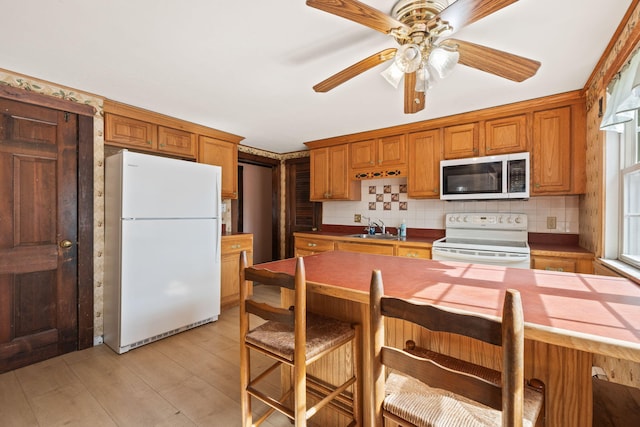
x: 389, y: 195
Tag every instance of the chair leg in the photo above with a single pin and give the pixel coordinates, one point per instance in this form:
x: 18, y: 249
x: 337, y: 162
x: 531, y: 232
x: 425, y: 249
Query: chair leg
x: 245, y: 378
x: 356, y: 351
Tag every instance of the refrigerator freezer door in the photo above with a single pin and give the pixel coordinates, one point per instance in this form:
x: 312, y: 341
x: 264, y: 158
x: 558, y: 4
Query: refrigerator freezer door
x: 160, y: 187
x: 170, y: 276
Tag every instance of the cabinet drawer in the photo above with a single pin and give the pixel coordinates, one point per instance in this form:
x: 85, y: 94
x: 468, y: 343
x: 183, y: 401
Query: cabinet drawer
x: 230, y: 245
x: 313, y: 245
x: 554, y: 264
x: 413, y: 252
x: 366, y: 248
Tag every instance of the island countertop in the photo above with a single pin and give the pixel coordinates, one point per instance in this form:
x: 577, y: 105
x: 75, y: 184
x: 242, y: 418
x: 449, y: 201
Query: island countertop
x: 597, y: 314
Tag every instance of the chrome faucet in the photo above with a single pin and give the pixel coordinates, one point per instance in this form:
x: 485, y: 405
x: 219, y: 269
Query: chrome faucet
x: 383, y: 229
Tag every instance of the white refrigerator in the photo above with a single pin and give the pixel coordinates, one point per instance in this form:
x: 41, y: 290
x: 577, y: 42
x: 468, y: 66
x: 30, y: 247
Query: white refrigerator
x: 162, y: 248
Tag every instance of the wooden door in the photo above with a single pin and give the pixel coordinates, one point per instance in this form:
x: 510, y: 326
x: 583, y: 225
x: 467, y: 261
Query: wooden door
x: 38, y: 233
x: 392, y: 151
x: 319, y: 185
x: 301, y: 213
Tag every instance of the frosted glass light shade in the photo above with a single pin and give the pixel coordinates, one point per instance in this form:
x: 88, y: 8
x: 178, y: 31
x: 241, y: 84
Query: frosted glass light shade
x: 408, y: 58
x: 393, y: 75
x: 443, y: 61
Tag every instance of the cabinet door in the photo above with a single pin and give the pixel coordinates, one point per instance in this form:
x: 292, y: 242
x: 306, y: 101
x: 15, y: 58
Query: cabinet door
x: 175, y: 141
x: 508, y: 135
x: 127, y: 132
x: 363, y: 154
x: 305, y: 246
x: 413, y: 252
x: 461, y: 141
x: 425, y: 153
x: 339, y: 179
x: 231, y: 246
x: 553, y: 264
x: 367, y: 248
x: 319, y: 174
x: 551, y: 151
x: 392, y: 151
x: 225, y: 154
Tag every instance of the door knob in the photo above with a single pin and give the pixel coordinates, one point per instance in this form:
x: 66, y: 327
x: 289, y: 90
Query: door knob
x: 65, y: 244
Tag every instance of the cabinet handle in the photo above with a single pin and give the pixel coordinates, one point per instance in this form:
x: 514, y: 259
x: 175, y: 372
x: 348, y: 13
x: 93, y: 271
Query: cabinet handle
x: 235, y: 246
x: 149, y: 142
x: 311, y: 245
x: 537, y: 185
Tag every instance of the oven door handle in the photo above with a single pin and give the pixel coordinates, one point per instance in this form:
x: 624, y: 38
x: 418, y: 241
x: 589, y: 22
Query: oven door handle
x: 470, y: 258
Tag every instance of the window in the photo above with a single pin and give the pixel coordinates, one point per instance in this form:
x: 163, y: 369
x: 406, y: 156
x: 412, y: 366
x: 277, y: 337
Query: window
x: 622, y: 204
x: 630, y: 195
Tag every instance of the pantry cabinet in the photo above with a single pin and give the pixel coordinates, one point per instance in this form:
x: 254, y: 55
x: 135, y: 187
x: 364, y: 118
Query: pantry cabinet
x: 330, y: 175
x: 425, y: 153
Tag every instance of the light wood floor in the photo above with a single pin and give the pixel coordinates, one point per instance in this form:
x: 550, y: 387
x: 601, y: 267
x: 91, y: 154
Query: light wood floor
x: 189, y: 379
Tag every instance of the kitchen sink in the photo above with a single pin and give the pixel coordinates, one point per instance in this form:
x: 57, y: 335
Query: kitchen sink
x: 374, y: 236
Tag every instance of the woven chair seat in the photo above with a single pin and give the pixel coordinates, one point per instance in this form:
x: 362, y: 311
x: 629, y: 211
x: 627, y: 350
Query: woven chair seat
x: 425, y: 406
x: 322, y: 333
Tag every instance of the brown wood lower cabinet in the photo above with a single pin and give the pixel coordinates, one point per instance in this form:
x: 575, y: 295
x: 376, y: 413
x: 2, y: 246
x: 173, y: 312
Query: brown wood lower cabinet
x: 231, y: 246
x: 563, y: 262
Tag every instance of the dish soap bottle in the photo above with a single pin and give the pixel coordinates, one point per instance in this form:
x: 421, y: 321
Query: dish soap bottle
x: 403, y: 229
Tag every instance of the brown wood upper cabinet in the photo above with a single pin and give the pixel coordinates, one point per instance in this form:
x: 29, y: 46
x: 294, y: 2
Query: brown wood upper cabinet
x: 505, y: 135
x: 330, y: 174
x: 558, y: 151
x: 425, y: 153
x: 461, y: 141
x: 128, y: 132
x: 142, y: 130
x: 389, y: 151
x: 213, y: 151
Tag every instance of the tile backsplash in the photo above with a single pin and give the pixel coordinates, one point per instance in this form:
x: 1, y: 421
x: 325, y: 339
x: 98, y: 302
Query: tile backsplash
x: 386, y: 199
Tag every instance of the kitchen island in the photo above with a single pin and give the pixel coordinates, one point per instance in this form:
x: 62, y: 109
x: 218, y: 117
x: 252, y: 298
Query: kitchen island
x: 568, y: 317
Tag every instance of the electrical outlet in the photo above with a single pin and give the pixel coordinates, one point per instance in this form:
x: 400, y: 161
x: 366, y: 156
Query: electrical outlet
x: 357, y: 218
x: 551, y: 222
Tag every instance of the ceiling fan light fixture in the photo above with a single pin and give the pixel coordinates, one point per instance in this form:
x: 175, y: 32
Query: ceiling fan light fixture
x: 393, y: 74
x: 422, y: 79
x: 408, y: 58
x: 443, y: 61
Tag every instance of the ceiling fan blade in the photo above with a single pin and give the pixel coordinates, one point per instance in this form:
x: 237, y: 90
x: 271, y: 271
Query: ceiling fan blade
x: 464, y: 12
x: 413, y: 100
x: 503, y: 64
x: 358, y: 12
x: 355, y: 69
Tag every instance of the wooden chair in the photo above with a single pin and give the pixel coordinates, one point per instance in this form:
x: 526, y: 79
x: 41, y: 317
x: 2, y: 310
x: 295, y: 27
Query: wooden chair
x: 295, y: 338
x: 426, y: 388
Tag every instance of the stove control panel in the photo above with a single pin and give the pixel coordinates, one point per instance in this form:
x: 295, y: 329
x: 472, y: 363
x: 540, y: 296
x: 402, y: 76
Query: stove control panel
x: 502, y: 221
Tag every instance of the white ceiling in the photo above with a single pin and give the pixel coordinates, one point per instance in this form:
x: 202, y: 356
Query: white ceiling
x: 248, y: 67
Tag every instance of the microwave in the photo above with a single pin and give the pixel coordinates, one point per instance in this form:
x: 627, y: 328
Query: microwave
x: 490, y: 177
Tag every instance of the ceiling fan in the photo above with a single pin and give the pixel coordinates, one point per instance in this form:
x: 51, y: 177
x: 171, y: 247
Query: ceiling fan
x: 425, y: 55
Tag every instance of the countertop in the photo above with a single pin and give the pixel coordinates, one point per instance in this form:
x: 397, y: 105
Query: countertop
x: 540, y: 243
x: 592, y: 313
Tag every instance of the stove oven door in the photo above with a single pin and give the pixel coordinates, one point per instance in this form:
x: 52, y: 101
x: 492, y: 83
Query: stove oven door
x: 504, y: 259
